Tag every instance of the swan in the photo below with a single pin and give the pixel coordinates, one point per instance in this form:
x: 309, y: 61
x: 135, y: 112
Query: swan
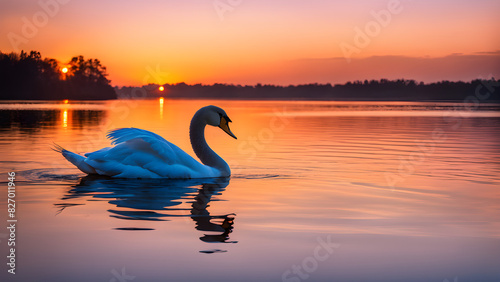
x: 139, y: 153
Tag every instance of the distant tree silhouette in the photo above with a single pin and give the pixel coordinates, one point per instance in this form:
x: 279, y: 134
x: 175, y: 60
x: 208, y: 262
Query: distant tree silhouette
x: 373, y: 90
x: 29, y: 77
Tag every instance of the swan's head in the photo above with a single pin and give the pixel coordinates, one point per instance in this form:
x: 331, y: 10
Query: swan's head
x: 216, y: 116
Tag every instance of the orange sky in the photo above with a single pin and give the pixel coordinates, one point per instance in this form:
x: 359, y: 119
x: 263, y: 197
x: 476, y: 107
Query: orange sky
x: 247, y: 42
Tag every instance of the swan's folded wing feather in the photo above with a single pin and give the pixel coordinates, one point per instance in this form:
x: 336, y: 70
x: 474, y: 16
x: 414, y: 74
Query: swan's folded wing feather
x: 136, y: 159
x: 120, y: 135
x: 138, y: 151
x: 124, y: 160
x: 166, y: 150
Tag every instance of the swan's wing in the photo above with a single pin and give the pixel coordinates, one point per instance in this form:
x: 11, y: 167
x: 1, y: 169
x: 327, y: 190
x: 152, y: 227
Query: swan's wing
x: 157, y: 143
x: 141, y: 153
x: 168, y: 151
x: 124, y: 134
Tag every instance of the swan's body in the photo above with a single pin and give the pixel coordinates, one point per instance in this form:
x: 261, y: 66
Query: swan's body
x: 140, y: 153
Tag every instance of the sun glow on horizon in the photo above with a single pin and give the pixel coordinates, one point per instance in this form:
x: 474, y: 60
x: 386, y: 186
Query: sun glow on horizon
x: 266, y: 42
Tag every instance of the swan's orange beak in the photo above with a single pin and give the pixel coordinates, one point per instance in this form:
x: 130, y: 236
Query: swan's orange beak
x: 224, y: 125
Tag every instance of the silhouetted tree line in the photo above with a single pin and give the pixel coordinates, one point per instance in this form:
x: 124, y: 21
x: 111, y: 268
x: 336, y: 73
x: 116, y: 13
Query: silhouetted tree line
x: 373, y: 90
x: 28, y: 76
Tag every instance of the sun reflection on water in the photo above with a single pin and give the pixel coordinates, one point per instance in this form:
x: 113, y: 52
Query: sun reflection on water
x: 65, y: 118
x: 162, y: 100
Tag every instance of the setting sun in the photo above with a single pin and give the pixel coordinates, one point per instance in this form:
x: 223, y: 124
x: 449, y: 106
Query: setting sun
x: 161, y: 88
x: 64, y: 70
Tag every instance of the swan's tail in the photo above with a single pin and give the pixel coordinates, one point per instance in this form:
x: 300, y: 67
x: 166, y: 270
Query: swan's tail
x: 75, y: 159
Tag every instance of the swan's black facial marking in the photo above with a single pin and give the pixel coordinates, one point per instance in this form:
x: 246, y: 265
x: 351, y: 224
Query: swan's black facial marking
x: 224, y: 124
x: 225, y: 117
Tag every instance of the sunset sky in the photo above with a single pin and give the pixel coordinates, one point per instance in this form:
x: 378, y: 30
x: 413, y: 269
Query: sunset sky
x: 248, y: 42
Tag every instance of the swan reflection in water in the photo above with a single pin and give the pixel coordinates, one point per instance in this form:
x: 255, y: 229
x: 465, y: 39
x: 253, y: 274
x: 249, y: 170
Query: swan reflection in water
x: 158, y: 200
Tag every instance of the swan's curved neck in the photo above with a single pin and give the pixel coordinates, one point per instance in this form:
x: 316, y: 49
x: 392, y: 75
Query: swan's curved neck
x: 200, y: 147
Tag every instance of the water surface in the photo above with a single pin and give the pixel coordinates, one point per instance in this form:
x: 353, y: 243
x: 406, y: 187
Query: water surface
x: 320, y: 191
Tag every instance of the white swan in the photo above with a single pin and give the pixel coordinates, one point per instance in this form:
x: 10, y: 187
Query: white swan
x: 143, y: 154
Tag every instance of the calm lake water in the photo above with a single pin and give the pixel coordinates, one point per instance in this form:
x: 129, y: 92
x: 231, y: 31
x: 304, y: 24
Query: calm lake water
x: 320, y: 191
